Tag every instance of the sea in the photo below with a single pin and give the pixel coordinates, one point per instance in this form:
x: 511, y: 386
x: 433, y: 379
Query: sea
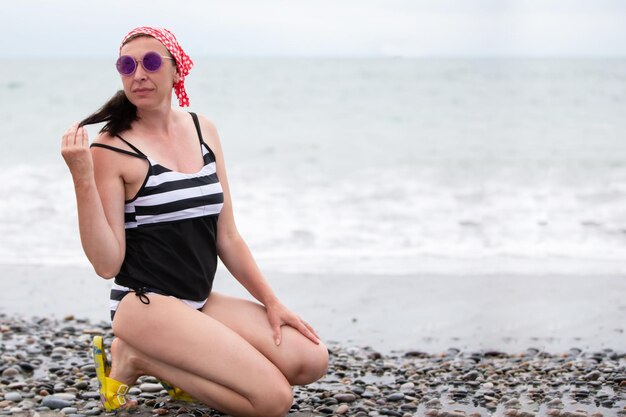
x: 360, y: 165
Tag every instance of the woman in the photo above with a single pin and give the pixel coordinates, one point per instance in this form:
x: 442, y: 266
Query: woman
x: 154, y: 212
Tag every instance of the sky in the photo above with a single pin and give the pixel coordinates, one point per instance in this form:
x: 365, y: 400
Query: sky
x: 337, y: 28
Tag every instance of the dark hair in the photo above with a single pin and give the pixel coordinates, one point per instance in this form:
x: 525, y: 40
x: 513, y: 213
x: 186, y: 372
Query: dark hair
x: 118, y: 113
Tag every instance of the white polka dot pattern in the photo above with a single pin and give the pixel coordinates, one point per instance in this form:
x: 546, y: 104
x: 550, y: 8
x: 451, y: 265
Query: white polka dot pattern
x: 183, y: 62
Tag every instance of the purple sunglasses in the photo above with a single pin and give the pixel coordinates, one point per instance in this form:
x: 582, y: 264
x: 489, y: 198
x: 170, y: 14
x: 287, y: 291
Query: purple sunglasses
x: 151, y: 62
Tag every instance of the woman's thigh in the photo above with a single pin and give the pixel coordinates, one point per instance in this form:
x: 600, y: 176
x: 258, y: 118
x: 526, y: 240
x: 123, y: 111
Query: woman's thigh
x: 176, y: 334
x: 299, y: 359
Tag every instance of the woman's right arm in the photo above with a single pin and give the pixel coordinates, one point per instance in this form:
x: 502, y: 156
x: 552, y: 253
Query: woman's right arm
x: 99, y: 188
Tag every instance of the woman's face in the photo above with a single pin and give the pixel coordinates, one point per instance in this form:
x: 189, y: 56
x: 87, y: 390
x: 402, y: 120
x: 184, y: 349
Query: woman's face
x: 149, y: 89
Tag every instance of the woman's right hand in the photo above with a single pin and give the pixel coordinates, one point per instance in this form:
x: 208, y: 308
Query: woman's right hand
x: 76, y: 153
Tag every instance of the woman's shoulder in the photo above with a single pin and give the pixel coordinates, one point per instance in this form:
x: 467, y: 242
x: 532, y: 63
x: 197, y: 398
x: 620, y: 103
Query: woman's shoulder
x: 104, y: 138
x: 205, y: 122
x: 112, y: 146
x: 209, y: 131
x: 110, y: 139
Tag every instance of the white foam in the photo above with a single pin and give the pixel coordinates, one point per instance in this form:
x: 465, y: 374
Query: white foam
x: 384, y: 222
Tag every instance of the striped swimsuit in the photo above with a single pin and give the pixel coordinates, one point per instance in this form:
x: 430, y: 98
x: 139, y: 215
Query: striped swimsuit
x: 171, y: 231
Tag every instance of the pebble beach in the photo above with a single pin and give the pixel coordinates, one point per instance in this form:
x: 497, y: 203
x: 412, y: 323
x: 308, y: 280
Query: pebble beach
x: 46, y: 369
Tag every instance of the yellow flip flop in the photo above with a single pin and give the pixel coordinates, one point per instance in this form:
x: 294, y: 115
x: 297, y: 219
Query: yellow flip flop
x: 176, y: 393
x: 112, y: 392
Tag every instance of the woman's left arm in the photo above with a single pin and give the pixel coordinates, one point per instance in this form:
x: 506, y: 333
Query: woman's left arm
x: 236, y: 256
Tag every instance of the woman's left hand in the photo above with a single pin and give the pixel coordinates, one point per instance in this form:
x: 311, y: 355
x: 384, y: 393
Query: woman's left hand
x: 279, y: 315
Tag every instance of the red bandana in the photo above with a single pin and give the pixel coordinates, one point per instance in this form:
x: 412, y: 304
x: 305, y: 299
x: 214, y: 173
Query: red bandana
x: 183, y: 62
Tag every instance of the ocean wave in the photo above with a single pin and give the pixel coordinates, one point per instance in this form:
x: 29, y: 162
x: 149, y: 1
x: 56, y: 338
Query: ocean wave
x: 399, y: 221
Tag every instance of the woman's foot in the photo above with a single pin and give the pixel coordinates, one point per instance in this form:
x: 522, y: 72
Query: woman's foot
x: 127, y: 366
x: 113, y: 390
x: 124, y: 362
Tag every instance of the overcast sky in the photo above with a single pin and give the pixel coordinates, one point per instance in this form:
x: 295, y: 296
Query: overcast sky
x: 411, y: 28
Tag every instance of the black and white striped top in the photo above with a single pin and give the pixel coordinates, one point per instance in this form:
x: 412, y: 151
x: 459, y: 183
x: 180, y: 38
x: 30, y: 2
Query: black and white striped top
x: 171, y: 228
x: 168, y: 195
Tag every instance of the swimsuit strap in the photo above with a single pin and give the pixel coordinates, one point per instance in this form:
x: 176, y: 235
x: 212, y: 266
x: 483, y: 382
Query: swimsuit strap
x: 132, y: 146
x: 113, y: 148
x: 196, y: 122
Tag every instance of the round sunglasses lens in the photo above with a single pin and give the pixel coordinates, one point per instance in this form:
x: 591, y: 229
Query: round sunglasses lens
x: 125, y: 65
x: 151, y: 61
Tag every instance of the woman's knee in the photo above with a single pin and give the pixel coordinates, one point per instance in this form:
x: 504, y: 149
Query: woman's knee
x: 275, y: 403
x: 312, y: 364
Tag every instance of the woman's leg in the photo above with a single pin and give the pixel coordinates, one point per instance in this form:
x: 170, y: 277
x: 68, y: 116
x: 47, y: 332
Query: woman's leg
x: 197, y: 353
x: 297, y: 357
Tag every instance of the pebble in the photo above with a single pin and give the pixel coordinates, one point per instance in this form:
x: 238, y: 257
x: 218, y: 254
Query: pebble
x: 434, y: 403
x: 470, y: 376
x: 81, y: 385
x: 451, y: 414
x: 592, y: 376
x: 397, y: 396
x: 27, y: 405
x: 93, y: 331
x: 67, y: 396
x: 55, y: 403
x: 13, y: 396
x: 407, y: 386
x: 325, y: 410
x: 342, y: 409
x: 555, y: 403
x: 10, y: 373
x: 150, y: 387
x: 345, y: 398
x: 512, y: 403
x: 26, y: 367
x: 60, y: 351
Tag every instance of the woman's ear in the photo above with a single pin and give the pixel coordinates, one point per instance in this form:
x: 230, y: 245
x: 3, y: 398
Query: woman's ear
x: 176, y: 77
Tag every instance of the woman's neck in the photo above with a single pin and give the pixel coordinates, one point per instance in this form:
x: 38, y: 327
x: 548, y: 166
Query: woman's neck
x: 159, y: 122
